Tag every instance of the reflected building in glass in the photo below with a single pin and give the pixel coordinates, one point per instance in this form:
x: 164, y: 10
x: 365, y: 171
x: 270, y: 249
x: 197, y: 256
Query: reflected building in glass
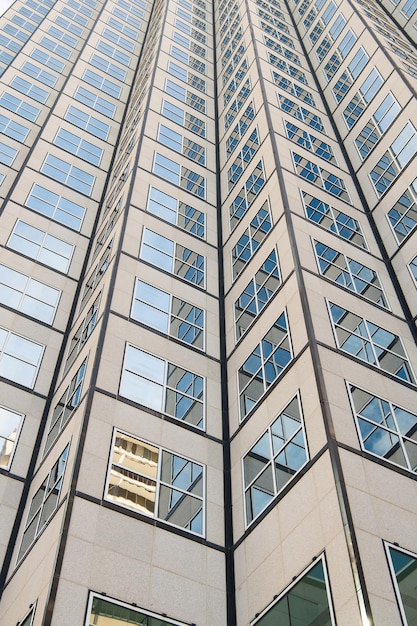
x: 208, y: 282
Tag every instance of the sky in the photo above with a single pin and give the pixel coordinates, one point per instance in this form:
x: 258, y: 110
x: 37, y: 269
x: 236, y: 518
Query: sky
x: 4, y: 4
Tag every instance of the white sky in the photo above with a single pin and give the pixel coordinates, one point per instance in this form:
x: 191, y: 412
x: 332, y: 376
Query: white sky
x: 4, y: 4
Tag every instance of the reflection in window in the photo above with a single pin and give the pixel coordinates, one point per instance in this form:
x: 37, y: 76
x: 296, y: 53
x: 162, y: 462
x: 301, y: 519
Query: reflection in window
x: 7, y: 154
x: 41, y: 246
x: 162, y: 386
x: 274, y: 459
x: 349, y: 273
x: 28, y: 620
x: 82, y: 333
x: 413, y: 269
x: 13, y: 129
x: 28, y: 295
x: 264, y: 365
x: 22, y: 108
x: 172, y: 257
x: 320, y: 177
x: 80, y: 147
x: 404, y: 567
x: 68, y: 174
x: 20, y: 358
x: 294, y: 109
x: 43, y: 504
x: 403, y: 215
x: 333, y: 220
x: 188, y: 147
x: 66, y: 406
x: 179, y: 175
x: 310, y: 142
x: 377, y: 125
x: 257, y: 293
x: 55, y: 206
x: 385, y: 429
x: 105, y: 612
x: 246, y: 196
x: 251, y: 239
x: 176, y: 212
x: 307, y: 602
x: 371, y: 343
x: 159, y: 309
x: 10, y: 424
x: 400, y: 152
x: 363, y: 97
x: 156, y: 482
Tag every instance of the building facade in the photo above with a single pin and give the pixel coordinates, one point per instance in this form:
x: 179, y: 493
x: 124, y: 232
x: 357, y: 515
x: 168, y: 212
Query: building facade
x: 208, y: 288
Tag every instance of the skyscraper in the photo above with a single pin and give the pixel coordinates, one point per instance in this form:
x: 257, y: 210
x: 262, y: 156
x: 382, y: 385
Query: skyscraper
x: 208, y: 285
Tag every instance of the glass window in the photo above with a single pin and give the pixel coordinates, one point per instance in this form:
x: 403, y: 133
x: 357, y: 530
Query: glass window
x: 183, y: 145
x: 310, y: 142
x: 82, y: 333
x: 41, y: 246
x: 31, y: 90
x: 251, y: 239
x: 172, y: 257
x: 240, y: 129
x: 183, y: 118
x: 294, y: 109
x: 385, y: 429
x: 44, y: 503
x: 361, y: 99
x: 308, y: 597
x: 97, y: 274
x: 99, y: 82
x: 13, y: 129
x: 403, y: 215
x: 242, y: 159
x: 7, y: 154
x: 264, y: 365
x: 70, y: 175
x: 95, y: 102
x: 257, y: 293
x: 169, y: 314
x: 333, y: 220
x: 89, y: 123
x: 20, y: 358
x: 114, y: 53
x: 384, y: 115
x: 48, y: 60
x: 120, y: 614
x: 409, y: 7
x: 156, y: 482
x: 109, y: 68
x: 80, y: 147
x: 28, y: 620
x: 401, y: 151
x: 64, y: 409
x: 370, y: 343
x: 320, y: 177
x: 294, y: 89
x: 120, y: 41
x: 59, y: 34
x: 10, y: 425
x: 22, y: 108
x: 179, y: 175
x: 274, y: 460
x: 176, y: 212
x: 36, y: 72
x: 246, y: 195
x: 404, y: 569
x: 349, y: 273
x: 162, y: 386
x: 56, y: 207
x: 53, y: 46
x: 28, y: 295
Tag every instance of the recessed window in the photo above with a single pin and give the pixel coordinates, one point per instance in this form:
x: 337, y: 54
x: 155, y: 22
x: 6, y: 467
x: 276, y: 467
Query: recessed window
x: 10, y: 425
x: 82, y: 333
x: 22, y: 108
x: 176, y: 212
x: 162, y: 386
x: 403, y: 215
x: 349, y: 273
x: 13, y: 129
x: 89, y: 123
x: 363, y: 97
x: 64, y: 172
x: 54, y: 46
x: 48, y: 60
x: 246, y: 196
x: 7, y: 154
x: 242, y: 159
x: 115, y: 613
x: 28, y: 295
x: 169, y: 314
x: 264, y: 365
x: 404, y: 568
x: 94, y: 101
x: 299, y: 112
x: 64, y: 409
x: 39, y: 74
x: 257, y: 293
x: 41, y: 246
x: 179, y: 175
x: 370, y: 343
x: 31, y: 90
x: 274, y: 460
x: 20, y: 358
x: 156, y: 482
x: 80, y: 147
x: 56, y: 207
x: 109, y: 68
x: 251, y: 239
x: 413, y: 269
x: 188, y: 147
x: 105, y: 85
x: 401, y: 151
x: 384, y: 115
x: 333, y: 220
x: 320, y: 177
x: 44, y: 503
x: 308, y: 597
x: 310, y: 142
x: 172, y: 257
x: 385, y: 429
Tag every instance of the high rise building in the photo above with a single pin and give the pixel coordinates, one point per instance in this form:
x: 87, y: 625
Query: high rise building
x: 208, y: 285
